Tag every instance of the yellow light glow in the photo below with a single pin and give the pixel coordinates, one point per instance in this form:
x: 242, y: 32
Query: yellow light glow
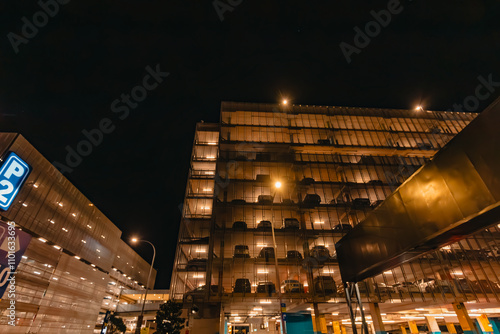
x: 277, y: 184
x: 133, y: 239
x: 285, y: 101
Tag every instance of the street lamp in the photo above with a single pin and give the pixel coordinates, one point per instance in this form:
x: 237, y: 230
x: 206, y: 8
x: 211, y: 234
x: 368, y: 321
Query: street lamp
x: 139, y: 319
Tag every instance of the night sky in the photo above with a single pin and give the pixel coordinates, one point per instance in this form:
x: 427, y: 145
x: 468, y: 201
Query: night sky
x: 64, y: 78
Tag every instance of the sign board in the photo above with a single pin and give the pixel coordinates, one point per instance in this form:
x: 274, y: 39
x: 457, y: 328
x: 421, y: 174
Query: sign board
x: 13, y: 243
x: 13, y: 173
x: 283, y: 307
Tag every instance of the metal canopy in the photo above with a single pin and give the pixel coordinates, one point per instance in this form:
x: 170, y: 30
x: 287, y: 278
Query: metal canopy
x: 450, y: 197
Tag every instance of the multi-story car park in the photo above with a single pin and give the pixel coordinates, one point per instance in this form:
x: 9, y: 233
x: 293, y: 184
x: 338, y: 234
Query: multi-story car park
x: 74, y: 264
x: 273, y: 187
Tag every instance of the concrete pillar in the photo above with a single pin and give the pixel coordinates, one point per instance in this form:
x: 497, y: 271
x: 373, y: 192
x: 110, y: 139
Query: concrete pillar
x: 484, y: 324
x: 336, y: 327
x: 433, y: 325
x: 319, y: 324
x: 378, y: 325
x: 344, y: 331
x: 403, y: 329
x: 451, y: 328
x: 413, y: 327
x: 463, y: 318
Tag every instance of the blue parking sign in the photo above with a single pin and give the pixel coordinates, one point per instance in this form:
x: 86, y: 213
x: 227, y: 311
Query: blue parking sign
x: 13, y: 173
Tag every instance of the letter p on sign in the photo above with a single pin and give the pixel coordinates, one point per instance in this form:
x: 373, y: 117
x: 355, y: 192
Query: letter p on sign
x: 13, y: 173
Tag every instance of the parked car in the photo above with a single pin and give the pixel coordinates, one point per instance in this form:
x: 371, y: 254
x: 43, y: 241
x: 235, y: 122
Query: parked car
x: 242, y: 285
x: 238, y: 201
x: 266, y: 287
x: 342, y: 227
x: 291, y: 223
x: 239, y: 225
x: 200, y: 291
x: 293, y: 255
x: 265, y: 199
x: 292, y: 286
x: 287, y: 201
x: 406, y: 287
x: 241, y: 251
x: 312, y: 200
x: 324, y: 141
x: 360, y: 203
x: 321, y: 253
x: 266, y: 253
x: 325, y: 284
x: 424, y: 284
x: 464, y: 285
x: 264, y: 225
x: 307, y: 181
x: 434, y: 285
x: 263, y: 178
x: 363, y: 288
x: 196, y: 265
x: 383, y: 289
x: 486, y: 285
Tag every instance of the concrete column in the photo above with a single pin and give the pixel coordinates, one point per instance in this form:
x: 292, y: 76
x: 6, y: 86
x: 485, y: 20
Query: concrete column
x: 413, y: 327
x: 378, y: 325
x: 344, y: 331
x: 433, y: 325
x: 319, y: 324
x: 336, y: 327
x: 451, y: 328
x: 403, y: 329
x: 484, y: 324
x: 463, y: 318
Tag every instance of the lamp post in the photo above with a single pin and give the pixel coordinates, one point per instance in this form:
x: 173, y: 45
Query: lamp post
x: 139, y: 319
x: 277, y: 185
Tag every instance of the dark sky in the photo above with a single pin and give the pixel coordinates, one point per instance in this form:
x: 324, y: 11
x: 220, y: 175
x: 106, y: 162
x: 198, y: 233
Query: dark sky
x: 65, y: 77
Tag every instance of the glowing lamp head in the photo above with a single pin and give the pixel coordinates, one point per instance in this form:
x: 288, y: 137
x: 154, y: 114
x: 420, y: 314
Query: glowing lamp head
x: 419, y: 108
x: 285, y: 101
x: 277, y: 184
x: 134, y: 240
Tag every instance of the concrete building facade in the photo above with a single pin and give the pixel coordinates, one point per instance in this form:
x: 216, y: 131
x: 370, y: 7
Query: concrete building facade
x: 72, y: 263
x: 273, y: 187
